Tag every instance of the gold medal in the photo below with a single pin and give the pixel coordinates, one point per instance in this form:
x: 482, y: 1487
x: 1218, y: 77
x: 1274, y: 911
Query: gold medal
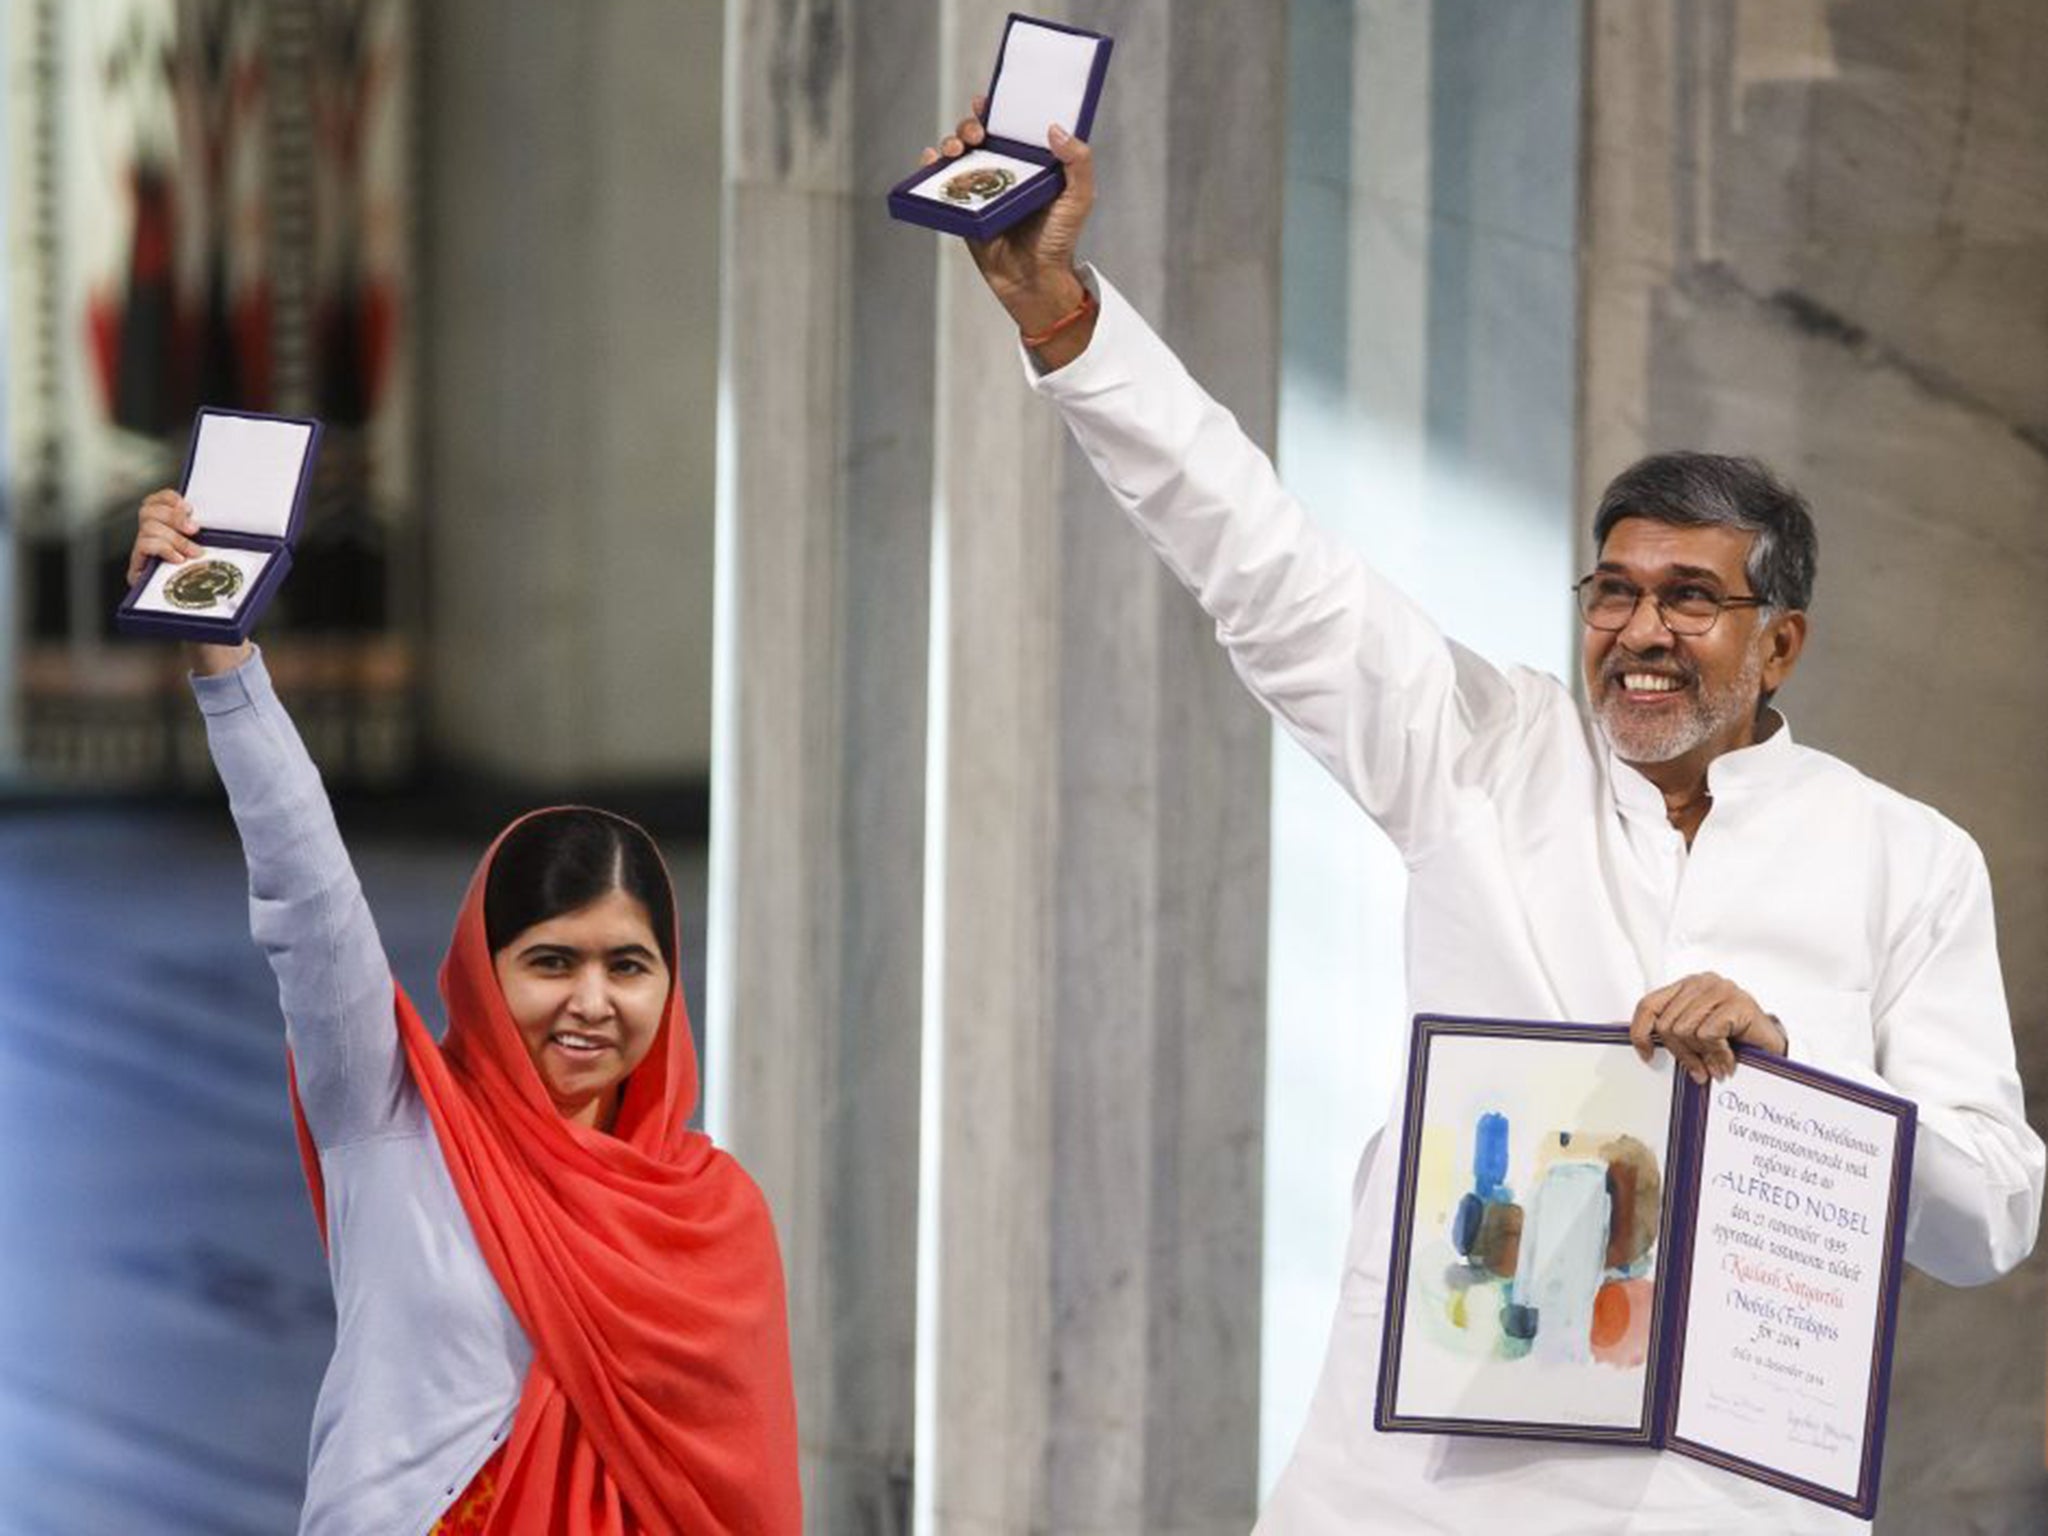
x: 204, y: 584
x: 978, y: 186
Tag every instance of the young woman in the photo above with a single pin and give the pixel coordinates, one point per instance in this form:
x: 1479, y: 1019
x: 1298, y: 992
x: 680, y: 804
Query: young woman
x: 558, y: 1310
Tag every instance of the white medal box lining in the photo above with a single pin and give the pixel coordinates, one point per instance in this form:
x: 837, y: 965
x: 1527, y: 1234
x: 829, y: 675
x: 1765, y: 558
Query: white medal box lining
x: 1044, y: 80
x: 245, y: 474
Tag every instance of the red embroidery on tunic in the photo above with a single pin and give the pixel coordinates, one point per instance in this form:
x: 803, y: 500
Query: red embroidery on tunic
x: 470, y: 1513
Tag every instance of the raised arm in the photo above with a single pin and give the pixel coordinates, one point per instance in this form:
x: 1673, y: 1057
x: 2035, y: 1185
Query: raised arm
x: 1030, y: 266
x: 306, y: 907
x: 1355, y: 671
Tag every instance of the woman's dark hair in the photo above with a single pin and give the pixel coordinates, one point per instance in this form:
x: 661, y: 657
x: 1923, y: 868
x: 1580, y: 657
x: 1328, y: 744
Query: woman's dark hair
x: 557, y: 861
x: 1715, y: 490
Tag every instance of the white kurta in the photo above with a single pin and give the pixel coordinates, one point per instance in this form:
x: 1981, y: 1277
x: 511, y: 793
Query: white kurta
x: 1545, y: 882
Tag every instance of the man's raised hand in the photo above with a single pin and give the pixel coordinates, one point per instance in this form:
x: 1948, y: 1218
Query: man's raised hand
x: 1030, y: 266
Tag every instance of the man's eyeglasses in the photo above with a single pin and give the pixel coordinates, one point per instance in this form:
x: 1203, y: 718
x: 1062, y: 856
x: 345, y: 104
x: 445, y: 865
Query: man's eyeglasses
x: 1684, y: 607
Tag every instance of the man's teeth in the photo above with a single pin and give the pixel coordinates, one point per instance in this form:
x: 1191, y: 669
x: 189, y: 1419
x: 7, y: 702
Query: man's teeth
x: 1649, y: 682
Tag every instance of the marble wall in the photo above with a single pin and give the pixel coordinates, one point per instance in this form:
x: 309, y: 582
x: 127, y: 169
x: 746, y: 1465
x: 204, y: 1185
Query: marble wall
x: 569, y: 228
x: 1103, y: 803
x: 1818, y: 232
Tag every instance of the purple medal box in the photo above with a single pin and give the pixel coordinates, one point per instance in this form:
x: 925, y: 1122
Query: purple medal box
x: 247, y: 476
x: 1045, y: 73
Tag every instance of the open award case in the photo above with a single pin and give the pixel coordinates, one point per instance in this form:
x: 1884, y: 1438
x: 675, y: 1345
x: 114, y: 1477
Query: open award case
x: 246, y: 476
x: 1045, y: 74
x: 1590, y: 1249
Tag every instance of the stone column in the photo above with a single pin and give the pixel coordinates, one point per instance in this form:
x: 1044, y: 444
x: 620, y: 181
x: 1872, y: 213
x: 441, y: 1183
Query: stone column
x: 1092, y: 1321
x: 569, y: 227
x: 1819, y: 233
x: 819, y: 806
x: 915, y: 568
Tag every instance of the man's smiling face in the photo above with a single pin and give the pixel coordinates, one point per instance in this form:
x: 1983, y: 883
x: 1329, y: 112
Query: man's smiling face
x: 1665, y: 698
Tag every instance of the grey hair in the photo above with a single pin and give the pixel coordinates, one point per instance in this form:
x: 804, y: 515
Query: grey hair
x: 1695, y: 490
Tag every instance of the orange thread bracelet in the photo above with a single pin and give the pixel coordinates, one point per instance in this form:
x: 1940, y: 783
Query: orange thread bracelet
x: 1074, y: 316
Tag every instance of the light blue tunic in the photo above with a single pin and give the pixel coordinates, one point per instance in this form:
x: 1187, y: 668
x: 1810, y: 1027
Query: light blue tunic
x: 428, y: 1358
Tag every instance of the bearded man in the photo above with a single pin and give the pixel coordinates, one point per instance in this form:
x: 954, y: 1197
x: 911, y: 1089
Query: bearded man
x: 1667, y: 855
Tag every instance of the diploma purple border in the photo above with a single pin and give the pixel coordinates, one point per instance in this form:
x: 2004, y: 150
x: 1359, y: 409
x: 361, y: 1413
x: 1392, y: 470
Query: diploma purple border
x: 1664, y: 1365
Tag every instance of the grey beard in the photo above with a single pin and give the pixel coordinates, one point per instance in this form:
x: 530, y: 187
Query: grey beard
x: 1708, y: 714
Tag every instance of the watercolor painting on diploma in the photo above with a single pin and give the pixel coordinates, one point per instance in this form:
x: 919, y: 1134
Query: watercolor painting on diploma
x: 1536, y: 1231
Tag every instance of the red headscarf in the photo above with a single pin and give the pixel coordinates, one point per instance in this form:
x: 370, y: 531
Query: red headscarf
x: 641, y: 1263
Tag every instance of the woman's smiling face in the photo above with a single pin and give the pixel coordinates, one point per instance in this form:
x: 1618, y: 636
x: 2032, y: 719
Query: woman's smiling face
x: 587, y: 990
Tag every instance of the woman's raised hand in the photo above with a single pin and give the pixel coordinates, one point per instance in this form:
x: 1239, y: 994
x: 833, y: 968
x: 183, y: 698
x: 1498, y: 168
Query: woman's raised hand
x: 164, y: 528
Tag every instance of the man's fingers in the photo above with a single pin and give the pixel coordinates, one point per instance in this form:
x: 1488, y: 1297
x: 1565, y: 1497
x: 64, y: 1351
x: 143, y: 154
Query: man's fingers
x: 1075, y: 155
x: 1642, y: 1029
x: 1699, y: 1019
x: 956, y: 144
x: 1676, y: 1032
x: 1707, y: 1013
x: 1766, y: 1032
x: 1671, y: 1016
x: 1711, y: 1040
x: 1689, y: 1061
x: 1642, y: 1026
x: 1689, y: 1009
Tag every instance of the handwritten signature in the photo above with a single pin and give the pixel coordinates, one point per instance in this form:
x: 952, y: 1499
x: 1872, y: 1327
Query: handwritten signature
x: 1735, y: 1407
x: 1803, y: 1430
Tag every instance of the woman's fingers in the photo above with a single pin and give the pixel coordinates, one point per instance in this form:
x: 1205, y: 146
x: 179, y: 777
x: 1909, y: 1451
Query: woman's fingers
x: 170, y: 507
x: 165, y: 543
x: 162, y: 524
